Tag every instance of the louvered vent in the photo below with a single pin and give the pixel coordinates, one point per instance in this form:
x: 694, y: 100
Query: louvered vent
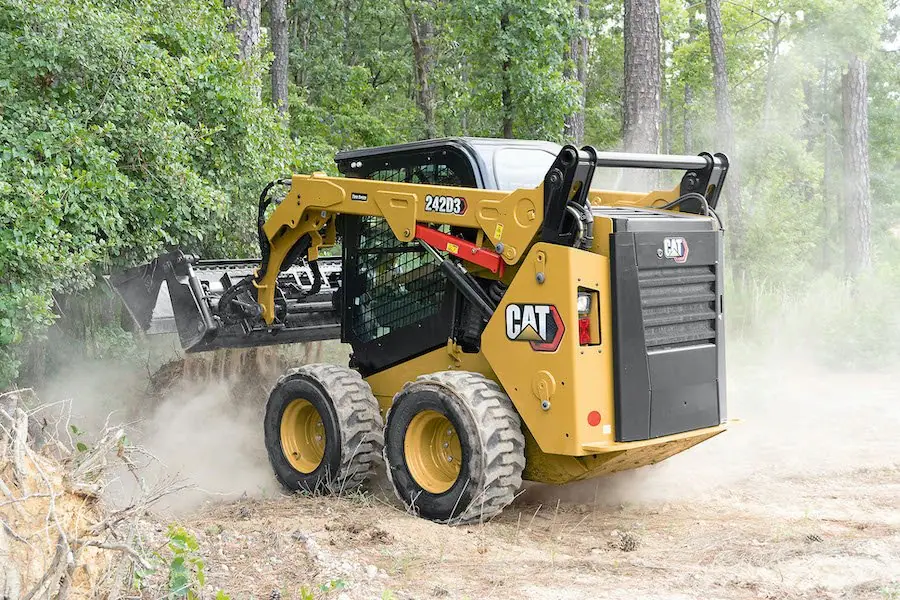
x: 678, y: 306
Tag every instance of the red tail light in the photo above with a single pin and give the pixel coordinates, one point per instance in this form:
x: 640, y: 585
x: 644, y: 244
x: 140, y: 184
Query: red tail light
x: 584, y: 330
x: 585, y: 308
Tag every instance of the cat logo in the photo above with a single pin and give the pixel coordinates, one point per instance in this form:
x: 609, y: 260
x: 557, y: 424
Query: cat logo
x: 675, y: 248
x: 538, y: 324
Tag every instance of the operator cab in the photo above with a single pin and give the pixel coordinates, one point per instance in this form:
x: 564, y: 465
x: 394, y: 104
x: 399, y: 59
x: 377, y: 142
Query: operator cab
x: 396, y: 303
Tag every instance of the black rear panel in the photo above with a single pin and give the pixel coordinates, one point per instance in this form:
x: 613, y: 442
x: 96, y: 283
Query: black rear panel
x: 668, y: 334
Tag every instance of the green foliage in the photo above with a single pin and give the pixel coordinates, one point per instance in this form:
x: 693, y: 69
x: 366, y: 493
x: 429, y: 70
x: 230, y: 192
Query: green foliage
x: 835, y: 322
x: 519, y: 45
x: 606, y: 78
x: 351, y: 67
x: 125, y: 128
x: 79, y: 445
x: 186, y: 569
x: 306, y: 594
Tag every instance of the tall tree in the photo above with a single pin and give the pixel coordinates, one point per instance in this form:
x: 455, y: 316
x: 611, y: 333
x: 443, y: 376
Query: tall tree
x: 579, y: 50
x: 421, y: 33
x: 278, y: 31
x: 245, y: 25
x: 688, y: 123
x: 642, y: 75
x: 506, y: 130
x: 830, y: 217
x: 725, y: 126
x: 857, y: 200
x: 688, y: 126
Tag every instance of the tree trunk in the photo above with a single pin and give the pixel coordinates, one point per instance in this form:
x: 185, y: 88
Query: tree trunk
x: 668, y: 123
x: 642, y: 76
x: 688, y: 125
x: 725, y: 125
x: 771, y: 59
x: 579, y: 51
x: 245, y: 25
x: 857, y: 201
x: 688, y: 119
x: 506, y: 93
x: 830, y: 216
x: 421, y: 33
x: 279, y: 33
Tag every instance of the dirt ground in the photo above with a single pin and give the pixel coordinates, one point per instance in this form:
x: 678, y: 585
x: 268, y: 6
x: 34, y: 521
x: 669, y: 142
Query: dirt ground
x: 800, y: 499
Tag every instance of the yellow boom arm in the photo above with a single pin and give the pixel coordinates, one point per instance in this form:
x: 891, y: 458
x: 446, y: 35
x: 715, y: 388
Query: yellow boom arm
x: 503, y: 221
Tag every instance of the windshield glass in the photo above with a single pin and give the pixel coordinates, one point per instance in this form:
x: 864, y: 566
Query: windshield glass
x: 517, y: 168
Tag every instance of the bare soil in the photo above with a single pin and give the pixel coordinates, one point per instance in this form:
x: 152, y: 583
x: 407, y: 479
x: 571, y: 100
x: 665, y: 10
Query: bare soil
x: 800, y: 499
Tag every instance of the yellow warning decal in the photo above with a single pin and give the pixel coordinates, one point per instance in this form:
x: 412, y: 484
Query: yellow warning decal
x: 498, y: 231
x: 452, y: 248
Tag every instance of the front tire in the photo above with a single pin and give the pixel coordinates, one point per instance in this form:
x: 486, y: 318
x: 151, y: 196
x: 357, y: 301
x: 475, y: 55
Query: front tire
x: 454, y: 447
x: 323, y: 429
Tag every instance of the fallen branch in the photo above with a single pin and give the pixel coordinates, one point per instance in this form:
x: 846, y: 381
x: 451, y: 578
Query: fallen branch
x: 33, y: 484
x: 54, y: 573
x: 124, y: 548
x: 12, y: 499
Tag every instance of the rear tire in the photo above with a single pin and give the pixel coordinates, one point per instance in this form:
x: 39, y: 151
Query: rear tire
x: 454, y: 447
x: 323, y: 429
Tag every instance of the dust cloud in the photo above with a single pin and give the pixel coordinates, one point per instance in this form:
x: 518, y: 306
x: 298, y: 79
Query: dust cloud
x: 199, y: 417
x: 791, y: 419
x: 212, y: 441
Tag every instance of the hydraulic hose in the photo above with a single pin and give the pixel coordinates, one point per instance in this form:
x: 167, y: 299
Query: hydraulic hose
x: 707, y: 210
x: 588, y: 239
x: 584, y: 220
x: 579, y: 224
x: 264, y: 202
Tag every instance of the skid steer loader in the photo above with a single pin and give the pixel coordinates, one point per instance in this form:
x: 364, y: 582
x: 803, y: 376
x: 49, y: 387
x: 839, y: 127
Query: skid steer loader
x: 507, y: 321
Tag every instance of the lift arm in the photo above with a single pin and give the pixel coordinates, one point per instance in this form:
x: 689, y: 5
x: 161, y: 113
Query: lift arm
x: 505, y: 223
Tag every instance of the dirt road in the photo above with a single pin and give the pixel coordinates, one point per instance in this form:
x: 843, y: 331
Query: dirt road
x: 801, y: 499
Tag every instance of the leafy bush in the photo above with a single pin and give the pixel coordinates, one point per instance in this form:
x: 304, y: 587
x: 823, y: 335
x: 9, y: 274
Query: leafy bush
x: 125, y: 128
x: 187, y: 569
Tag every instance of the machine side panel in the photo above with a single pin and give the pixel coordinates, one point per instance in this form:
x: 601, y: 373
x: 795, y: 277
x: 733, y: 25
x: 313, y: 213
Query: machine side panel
x: 720, y: 330
x: 632, y: 377
x: 531, y: 343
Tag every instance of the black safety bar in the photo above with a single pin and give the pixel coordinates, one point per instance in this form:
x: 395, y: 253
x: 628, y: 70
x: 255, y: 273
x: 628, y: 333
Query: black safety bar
x: 567, y: 183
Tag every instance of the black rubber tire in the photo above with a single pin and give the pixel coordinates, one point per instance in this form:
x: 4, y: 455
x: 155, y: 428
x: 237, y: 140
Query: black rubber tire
x: 490, y: 435
x: 351, y: 419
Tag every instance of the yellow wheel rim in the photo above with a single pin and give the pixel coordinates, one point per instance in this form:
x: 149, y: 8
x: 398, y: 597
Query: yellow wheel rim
x: 432, y: 451
x: 302, y: 436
